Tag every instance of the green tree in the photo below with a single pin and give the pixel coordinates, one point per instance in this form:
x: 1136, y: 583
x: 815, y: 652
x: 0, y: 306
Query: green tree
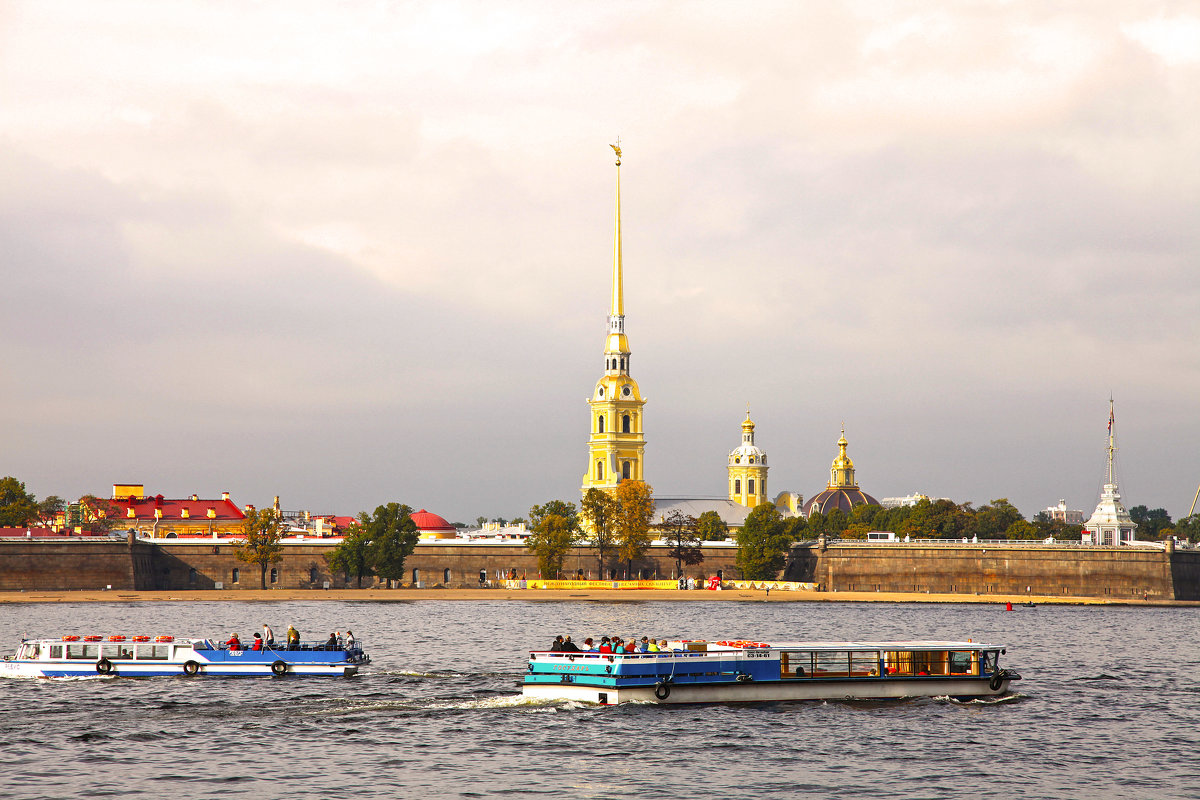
x: 762, y: 544
x: 50, y: 508
x: 393, y: 536
x: 682, y: 534
x: 353, y: 555
x: 1021, y: 530
x: 260, y: 546
x: 1151, y: 522
x: 635, y: 509
x: 711, y: 528
x: 856, y: 530
x: 18, y: 508
x: 599, y: 514
x: 480, y: 520
x: 98, y: 513
x: 992, y: 521
x: 1189, y: 528
x: 555, y: 530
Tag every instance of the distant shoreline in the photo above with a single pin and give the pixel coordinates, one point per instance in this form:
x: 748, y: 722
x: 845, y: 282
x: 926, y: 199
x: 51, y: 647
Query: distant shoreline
x: 407, y: 595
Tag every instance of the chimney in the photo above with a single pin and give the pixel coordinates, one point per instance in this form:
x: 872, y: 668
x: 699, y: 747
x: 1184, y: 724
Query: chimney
x: 195, y: 497
x: 225, y: 496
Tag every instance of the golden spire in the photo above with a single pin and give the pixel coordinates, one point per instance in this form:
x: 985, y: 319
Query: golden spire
x: 618, y: 298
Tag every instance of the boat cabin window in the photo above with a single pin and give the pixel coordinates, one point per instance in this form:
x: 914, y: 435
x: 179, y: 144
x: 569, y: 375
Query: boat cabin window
x: 111, y: 651
x: 182, y: 650
x: 152, y: 652
x: 989, y: 661
x: 56, y: 651
x: 83, y: 651
x: 961, y: 663
x: 29, y: 651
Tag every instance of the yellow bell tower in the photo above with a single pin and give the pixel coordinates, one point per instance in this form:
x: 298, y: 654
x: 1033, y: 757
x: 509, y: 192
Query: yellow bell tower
x: 748, y: 469
x: 616, y: 446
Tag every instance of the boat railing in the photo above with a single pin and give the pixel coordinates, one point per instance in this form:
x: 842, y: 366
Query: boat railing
x: 279, y: 647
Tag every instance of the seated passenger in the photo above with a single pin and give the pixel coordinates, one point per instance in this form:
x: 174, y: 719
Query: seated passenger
x: 652, y: 647
x: 569, y: 647
x: 644, y: 647
x: 557, y: 646
x: 589, y: 646
x: 234, y: 643
x: 258, y: 642
x: 332, y: 643
x: 605, y: 645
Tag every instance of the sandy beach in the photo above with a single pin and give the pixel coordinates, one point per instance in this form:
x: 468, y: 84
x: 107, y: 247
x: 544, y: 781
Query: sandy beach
x: 406, y: 595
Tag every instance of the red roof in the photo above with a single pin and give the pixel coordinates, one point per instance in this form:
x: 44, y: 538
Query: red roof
x: 427, y: 521
x: 144, y: 508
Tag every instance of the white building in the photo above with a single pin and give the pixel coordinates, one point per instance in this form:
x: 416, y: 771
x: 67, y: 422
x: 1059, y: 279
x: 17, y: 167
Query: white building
x: 1061, y: 513
x: 1110, y: 523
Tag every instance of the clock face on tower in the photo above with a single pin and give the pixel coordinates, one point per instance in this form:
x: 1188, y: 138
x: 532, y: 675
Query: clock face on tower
x: 626, y: 391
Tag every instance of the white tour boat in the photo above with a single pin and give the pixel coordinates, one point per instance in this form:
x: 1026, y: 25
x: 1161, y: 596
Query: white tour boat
x: 697, y: 671
x: 147, y: 656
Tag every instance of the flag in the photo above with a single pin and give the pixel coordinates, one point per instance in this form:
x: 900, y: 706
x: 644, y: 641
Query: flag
x: 1110, y: 419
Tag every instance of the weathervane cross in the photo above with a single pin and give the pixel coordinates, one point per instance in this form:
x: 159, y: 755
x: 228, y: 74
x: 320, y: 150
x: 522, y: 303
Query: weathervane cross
x: 617, y: 149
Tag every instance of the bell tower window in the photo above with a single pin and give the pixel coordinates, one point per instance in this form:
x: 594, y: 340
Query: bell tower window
x: 599, y: 470
x: 625, y: 424
x: 737, y: 486
x: 600, y: 424
x: 750, y: 486
x: 625, y: 470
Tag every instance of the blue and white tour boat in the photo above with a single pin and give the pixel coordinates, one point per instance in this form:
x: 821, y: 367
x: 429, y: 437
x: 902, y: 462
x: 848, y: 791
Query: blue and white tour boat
x: 148, y: 656
x: 691, y: 671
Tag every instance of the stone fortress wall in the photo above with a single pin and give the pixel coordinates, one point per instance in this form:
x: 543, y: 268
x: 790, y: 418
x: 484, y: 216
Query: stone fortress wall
x: 1112, y: 573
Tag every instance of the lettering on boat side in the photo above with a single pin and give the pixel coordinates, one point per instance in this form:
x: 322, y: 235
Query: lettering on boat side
x: 569, y: 668
x: 757, y: 654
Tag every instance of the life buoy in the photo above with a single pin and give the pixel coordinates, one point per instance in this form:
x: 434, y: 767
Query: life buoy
x: 662, y: 690
x: 92, y: 638
x: 164, y: 638
x: 141, y: 638
x: 190, y: 668
x: 996, y: 682
x: 104, y: 666
x: 116, y: 638
x: 279, y: 667
x: 70, y: 638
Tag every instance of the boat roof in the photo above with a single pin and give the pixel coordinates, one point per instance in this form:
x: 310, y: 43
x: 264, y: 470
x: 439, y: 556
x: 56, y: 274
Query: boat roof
x: 911, y: 644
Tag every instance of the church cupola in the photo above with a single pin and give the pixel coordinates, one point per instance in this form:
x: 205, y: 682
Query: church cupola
x: 747, y: 468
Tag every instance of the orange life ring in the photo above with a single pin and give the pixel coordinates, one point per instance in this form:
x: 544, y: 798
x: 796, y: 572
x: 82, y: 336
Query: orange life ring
x: 141, y: 638
x: 92, y: 638
x: 70, y: 638
x: 164, y: 638
x: 116, y: 638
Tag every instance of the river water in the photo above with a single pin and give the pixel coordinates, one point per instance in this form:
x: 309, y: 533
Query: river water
x: 1109, y: 708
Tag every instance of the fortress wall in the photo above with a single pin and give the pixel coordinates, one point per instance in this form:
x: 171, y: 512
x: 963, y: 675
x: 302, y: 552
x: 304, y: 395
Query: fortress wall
x: 1110, y: 573
x: 70, y: 564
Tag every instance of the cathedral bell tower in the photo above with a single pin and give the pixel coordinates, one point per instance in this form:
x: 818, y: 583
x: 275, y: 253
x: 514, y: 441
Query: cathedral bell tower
x: 616, y: 447
x: 748, y: 469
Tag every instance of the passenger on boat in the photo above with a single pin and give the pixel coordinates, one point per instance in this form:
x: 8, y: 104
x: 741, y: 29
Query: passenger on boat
x: 332, y: 643
x: 234, y: 642
x: 568, y: 646
x: 662, y: 646
x: 258, y: 642
x: 349, y: 639
x: 589, y: 646
x: 652, y: 646
x: 557, y: 646
x: 293, y: 638
x: 605, y: 645
x: 645, y: 645
x: 268, y: 635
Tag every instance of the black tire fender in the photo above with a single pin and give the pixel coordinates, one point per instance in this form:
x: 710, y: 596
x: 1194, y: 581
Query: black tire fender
x: 104, y: 667
x: 190, y: 667
x: 996, y: 682
x: 662, y: 690
x: 280, y: 667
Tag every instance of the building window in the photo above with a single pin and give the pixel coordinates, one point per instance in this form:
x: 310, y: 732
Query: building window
x: 599, y: 470
x: 600, y: 424
x: 625, y: 424
x: 274, y: 575
x: 750, y: 486
x: 625, y: 470
x: 416, y: 576
x: 192, y: 575
x: 237, y: 574
x: 446, y: 577
x: 313, y: 575
x: 737, y: 486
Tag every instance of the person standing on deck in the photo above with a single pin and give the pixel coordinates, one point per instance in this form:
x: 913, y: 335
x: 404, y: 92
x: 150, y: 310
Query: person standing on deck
x: 293, y: 638
x: 268, y: 635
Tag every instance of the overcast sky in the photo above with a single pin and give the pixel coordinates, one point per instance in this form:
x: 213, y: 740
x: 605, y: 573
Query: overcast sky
x: 348, y: 253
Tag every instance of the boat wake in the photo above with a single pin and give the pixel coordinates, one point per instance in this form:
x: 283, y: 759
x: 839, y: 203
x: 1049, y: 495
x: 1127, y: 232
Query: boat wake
x: 983, y: 701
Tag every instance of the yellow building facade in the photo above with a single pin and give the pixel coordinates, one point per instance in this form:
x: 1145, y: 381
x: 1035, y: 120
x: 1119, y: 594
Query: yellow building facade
x: 616, y: 444
x: 748, y: 469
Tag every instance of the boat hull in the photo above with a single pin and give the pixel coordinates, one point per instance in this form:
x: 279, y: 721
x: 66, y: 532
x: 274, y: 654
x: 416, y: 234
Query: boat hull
x: 766, y: 692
